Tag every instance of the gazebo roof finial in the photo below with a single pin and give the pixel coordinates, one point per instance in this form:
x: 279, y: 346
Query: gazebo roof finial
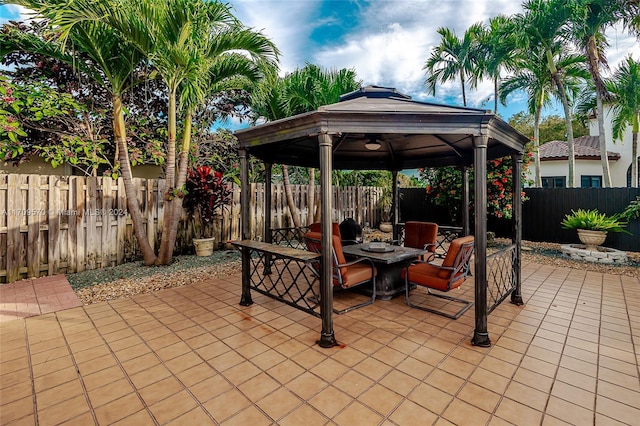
x: 374, y: 92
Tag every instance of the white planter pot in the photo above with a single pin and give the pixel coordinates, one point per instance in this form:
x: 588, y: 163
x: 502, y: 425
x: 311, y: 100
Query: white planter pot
x: 591, y: 238
x: 204, y: 246
x: 386, y: 227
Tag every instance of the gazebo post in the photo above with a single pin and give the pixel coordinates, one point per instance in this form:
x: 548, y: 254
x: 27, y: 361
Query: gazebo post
x: 480, y: 334
x: 245, y: 298
x: 516, y: 295
x: 327, y: 337
x: 268, y: 169
x: 466, y: 223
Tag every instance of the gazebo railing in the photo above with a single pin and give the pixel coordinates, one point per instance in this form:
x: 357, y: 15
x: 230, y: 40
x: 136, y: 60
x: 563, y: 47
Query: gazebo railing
x: 500, y: 276
x: 289, y: 237
x: 281, y: 273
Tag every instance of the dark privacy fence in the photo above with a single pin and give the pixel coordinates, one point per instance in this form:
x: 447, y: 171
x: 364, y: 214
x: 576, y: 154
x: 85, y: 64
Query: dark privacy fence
x: 541, y: 213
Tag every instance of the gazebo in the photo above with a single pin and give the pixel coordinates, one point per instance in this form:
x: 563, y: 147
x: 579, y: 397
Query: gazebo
x: 378, y: 128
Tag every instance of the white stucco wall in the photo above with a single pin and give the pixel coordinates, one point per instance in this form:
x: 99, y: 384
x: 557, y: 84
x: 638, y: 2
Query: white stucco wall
x: 618, y: 169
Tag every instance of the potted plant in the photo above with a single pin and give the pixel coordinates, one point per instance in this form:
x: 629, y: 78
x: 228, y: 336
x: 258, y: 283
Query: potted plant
x: 592, y: 226
x: 207, y: 194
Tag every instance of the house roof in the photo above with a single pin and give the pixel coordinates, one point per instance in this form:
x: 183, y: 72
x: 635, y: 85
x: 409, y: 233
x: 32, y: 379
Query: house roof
x: 411, y: 134
x: 585, y: 148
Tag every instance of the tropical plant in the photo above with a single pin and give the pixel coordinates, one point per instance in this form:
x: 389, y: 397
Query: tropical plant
x: 301, y: 91
x: 533, y: 76
x: 497, y: 45
x: 632, y: 211
x: 625, y: 89
x: 591, y: 19
x: 207, y: 194
x: 444, y: 186
x: 454, y: 58
x: 543, y: 28
x: 593, y: 220
x: 198, y: 48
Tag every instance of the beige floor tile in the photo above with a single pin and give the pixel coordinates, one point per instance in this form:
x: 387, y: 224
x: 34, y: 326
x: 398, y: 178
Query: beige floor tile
x: 60, y: 413
x: 479, y: 397
x: 353, y: 383
x: 279, y: 403
x: 357, y: 413
x: 460, y: 412
x: 380, y: 399
x: 226, y: 405
x: 399, y: 382
x: 330, y: 401
x: 160, y: 390
x: 172, y: 407
x: 616, y: 410
x: 445, y: 381
x: 59, y: 394
x: 568, y: 412
x: 518, y: 413
x: 259, y: 386
x: 305, y: 414
x: 409, y: 412
x: 15, y: 410
x: 372, y: 368
x: 431, y: 398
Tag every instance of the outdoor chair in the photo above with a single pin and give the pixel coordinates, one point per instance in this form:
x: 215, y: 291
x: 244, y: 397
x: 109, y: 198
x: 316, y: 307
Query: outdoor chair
x: 421, y: 235
x: 317, y: 227
x: 345, y: 274
x: 448, y: 276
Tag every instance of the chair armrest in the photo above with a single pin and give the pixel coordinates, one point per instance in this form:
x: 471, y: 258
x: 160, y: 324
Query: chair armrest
x: 358, y: 260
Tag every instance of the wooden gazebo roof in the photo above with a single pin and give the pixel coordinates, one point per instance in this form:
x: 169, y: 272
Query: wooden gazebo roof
x: 411, y: 134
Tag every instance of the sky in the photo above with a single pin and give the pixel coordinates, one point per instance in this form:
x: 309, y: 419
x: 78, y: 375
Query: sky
x: 385, y: 41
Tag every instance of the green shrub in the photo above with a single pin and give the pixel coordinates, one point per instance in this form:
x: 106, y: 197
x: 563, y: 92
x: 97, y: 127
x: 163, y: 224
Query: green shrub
x: 593, y: 220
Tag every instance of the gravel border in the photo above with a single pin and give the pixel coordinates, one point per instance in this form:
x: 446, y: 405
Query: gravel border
x: 134, y: 278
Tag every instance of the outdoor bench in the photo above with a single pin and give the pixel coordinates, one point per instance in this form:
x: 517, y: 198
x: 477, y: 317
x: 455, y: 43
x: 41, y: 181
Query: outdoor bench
x: 279, y: 272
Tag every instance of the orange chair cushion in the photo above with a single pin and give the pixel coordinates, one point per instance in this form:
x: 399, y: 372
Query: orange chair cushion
x: 337, y: 248
x: 356, y: 274
x: 452, y: 253
x: 317, y: 227
x: 428, y: 275
x: 417, y: 234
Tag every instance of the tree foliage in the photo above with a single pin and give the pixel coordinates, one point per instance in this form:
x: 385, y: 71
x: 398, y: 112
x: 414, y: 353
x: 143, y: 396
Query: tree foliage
x: 444, y: 185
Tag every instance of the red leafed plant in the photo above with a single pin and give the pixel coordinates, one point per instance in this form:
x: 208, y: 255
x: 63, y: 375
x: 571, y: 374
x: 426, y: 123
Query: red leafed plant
x: 207, y: 194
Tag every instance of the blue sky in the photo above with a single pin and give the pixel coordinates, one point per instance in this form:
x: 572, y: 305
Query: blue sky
x: 386, y: 42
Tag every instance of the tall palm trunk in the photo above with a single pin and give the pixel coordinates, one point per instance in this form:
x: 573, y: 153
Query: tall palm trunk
x: 496, y: 89
x: 602, y: 141
x: 312, y: 195
x: 570, y: 142
x: 536, y: 143
x: 634, y: 151
x: 464, y: 94
x: 593, y: 58
x: 133, y: 206
x: 166, y: 249
x: 557, y: 79
x: 287, y: 189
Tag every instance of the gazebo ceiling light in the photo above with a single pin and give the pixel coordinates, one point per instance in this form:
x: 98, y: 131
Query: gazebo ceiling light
x: 372, y: 144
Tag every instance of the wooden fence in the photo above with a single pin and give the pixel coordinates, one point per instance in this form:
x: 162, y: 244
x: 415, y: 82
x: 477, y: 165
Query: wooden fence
x: 66, y: 224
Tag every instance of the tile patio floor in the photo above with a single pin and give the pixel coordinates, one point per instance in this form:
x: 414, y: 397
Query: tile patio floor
x: 193, y: 356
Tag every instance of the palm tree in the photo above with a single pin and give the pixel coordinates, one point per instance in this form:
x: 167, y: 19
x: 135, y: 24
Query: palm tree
x: 114, y: 61
x: 497, y: 44
x: 592, y: 18
x: 533, y: 76
x: 625, y: 88
x: 544, y: 28
x: 453, y: 58
x: 198, y: 48
x: 301, y: 91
